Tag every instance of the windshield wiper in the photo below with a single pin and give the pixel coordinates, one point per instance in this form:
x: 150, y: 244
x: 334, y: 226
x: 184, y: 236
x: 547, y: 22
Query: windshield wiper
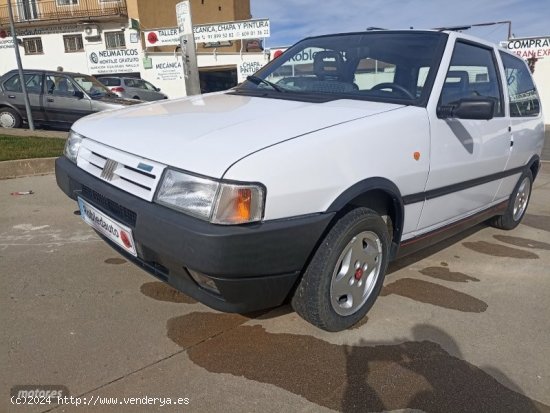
x: 257, y: 80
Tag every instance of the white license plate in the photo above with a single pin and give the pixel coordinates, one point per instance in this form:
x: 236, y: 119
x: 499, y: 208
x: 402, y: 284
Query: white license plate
x: 116, y: 232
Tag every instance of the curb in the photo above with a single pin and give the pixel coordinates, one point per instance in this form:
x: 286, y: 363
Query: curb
x: 26, y: 167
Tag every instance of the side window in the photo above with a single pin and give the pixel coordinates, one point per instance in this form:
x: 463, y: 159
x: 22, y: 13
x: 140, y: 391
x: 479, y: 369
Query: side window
x: 150, y: 86
x: 522, y: 94
x: 472, y: 73
x: 59, y: 86
x: 140, y: 84
x: 110, y: 81
x: 32, y: 81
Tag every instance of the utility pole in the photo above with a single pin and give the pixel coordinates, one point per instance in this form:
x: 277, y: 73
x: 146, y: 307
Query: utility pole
x: 188, y: 48
x: 20, y: 68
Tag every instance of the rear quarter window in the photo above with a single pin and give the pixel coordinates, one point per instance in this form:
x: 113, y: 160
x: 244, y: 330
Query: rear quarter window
x: 108, y: 81
x: 522, y: 93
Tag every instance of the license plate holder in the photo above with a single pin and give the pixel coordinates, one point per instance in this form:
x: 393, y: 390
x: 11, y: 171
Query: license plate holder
x: 119, y: 233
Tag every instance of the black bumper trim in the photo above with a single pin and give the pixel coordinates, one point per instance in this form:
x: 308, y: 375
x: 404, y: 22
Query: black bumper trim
x: 254, y: 266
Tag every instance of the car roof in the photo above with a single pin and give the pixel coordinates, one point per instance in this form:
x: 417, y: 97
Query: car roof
x: 47, y: 72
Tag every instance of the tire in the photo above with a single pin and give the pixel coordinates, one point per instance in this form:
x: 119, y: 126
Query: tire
x: 136, y: 97
x: 9, y: 118
x: 342, y: 266
x: 519, y: 200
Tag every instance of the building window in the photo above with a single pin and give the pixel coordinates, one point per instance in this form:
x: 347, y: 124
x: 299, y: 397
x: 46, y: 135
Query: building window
x: 66, y: 2
x: 73, y: 43
x: 33, y: 45
x: 115, y: 40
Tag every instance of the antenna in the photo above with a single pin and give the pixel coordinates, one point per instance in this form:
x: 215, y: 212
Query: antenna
x: 467, y: 27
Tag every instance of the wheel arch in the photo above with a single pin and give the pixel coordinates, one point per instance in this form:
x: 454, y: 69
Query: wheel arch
x: 534, y: 166
x: 378, y: 194
x: 7, y: 105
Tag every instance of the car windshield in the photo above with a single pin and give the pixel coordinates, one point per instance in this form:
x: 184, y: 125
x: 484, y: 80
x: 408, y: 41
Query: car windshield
x: 395, y: 67
x: 91, y: 86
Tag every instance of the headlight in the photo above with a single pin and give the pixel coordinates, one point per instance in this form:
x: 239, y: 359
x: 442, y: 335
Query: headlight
x: 215, y: 201
x: 72, y: 146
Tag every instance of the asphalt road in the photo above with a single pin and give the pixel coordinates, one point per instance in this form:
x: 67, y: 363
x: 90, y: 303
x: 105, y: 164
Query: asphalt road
x: 460, y: 328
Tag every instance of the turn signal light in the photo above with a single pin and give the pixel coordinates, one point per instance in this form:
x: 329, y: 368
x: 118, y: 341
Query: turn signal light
x: 242, y: 205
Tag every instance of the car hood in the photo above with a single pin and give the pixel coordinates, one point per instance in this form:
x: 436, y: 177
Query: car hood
x: 206, y: 134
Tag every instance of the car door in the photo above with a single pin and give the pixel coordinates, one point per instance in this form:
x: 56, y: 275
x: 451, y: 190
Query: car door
x: 467, y: 155
x: 154, y: 93
x: 14, y: 94
x: 525, y: 113
x: 64, y: 103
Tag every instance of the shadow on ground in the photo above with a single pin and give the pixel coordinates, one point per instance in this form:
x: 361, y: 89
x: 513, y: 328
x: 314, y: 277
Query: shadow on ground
x: 425, y: 373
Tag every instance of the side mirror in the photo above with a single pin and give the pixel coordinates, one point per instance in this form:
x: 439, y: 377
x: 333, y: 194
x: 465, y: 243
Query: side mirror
x: 157, y: 89
x: 78, y: 94
x: 468, y: 108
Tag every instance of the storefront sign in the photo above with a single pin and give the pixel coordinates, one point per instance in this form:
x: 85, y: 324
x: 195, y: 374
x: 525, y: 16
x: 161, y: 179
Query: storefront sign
x: 162, y: 37
x: 537, y: 47
x: 245, y: 29
x: 169, y: 70
x: 113, y: 61
x: 38, y: 31
x: 249, y: 68
x: 6, y: 43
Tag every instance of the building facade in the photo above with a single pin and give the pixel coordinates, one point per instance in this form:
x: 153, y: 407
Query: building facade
x: 104, y: 37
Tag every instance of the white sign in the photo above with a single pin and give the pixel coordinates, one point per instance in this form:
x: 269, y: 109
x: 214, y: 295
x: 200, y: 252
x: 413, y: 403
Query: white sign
x: 183, y: 16
x: 162, y: 37
x: 169, y: 70
x: 245, y: 29
x: 249, y: 68
x: 531, y: 47
x: 113, y: 61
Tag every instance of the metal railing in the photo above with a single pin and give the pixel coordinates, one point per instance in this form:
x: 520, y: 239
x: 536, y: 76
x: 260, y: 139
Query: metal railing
x: 28, y: 11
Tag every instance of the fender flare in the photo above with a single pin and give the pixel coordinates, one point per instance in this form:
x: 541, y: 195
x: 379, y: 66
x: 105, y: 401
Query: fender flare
x: 375, y: 184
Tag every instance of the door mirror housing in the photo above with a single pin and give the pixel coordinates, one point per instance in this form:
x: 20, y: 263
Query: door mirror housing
x: 78, y: 94
x: 468, y: 108
x: 157, y: 89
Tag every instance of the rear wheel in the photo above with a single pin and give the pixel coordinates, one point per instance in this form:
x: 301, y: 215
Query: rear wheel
x: 9, y: 118
x: 136, y: 97
x: 519, y: 200
x: 346, y: 273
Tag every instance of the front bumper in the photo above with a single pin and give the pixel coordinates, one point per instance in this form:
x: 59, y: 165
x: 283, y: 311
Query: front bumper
x: 254, y: 266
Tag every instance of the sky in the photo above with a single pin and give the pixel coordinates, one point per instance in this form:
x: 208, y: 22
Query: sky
x: 292, y: 20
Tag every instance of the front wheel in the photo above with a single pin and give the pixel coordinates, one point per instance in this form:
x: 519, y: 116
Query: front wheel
x: 9, y: 118
x: 519, y: 200
x: 346, y: 273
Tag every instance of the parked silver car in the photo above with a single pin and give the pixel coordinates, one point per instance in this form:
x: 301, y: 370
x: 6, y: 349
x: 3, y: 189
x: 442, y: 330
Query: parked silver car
x: 57, y: 99
x: 132, y: 88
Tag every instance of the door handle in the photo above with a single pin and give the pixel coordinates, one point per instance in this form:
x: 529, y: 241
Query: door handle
x: 11, y: 96
x: 49, y: 99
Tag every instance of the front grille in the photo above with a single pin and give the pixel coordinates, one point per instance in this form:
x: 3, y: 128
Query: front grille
x: 132, y: 174
x: 111, y: 208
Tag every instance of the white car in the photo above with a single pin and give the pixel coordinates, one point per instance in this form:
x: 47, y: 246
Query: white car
x: 378, y: 144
